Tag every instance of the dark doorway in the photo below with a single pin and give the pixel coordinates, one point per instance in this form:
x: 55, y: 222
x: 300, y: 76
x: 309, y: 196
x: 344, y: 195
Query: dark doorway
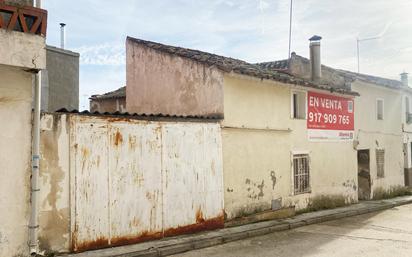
x: 364, y: 176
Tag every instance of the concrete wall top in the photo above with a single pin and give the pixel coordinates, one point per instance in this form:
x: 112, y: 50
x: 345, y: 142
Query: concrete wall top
x: 22, y: 50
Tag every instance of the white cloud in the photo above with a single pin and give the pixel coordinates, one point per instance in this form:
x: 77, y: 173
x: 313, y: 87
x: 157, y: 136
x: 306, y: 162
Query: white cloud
x: 102, y: 54
x: 97, y: 29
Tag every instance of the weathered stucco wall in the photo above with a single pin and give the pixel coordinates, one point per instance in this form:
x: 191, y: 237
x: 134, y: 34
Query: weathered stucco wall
x: 384, y: 134
x: 22, y: 50
x: 60, y: 82
x: 54, y: 215
x: 15, y: 164
x: 259, y: 138
x: 110, y: 105
x: 162, y: 83
x: 108, y: 181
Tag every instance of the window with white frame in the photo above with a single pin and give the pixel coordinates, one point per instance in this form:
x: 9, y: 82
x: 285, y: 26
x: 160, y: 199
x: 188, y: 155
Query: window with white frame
x: 298, y: 105
x: 379, y: 109
x: 380, y: 163
x: 301, y: 173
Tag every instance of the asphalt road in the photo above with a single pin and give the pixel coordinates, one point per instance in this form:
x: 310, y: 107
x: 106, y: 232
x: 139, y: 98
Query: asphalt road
x: 386, y: 233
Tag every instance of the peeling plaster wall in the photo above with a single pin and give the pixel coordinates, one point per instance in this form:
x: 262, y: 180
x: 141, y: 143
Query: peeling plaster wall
x: 15, y: 156
x: 54, y: 215
x: 257, y: 148
x: 22, y: 50
x: 162, y: 83
x: 385, y: 134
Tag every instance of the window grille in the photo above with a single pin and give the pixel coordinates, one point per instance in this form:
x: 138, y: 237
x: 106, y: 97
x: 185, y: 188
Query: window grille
x: 301, y: 173
x: 380, y: 162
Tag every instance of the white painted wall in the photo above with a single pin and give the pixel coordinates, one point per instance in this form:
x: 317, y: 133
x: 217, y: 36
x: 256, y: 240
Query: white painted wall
x: 407, y: 127
x: 15, y: 156
x: 259, y: 137
x: 385, y: 134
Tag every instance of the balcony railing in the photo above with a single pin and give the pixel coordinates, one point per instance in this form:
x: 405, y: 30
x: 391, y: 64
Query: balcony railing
x: 25, y: 19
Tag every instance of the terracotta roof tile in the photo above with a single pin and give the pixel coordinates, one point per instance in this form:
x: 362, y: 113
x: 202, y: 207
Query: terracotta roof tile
x: 228, y: 64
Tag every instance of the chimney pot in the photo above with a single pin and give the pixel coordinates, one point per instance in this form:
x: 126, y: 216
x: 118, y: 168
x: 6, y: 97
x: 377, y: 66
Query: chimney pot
x: 62, y: 35
x: 315, y: 59
x: 404, y: 79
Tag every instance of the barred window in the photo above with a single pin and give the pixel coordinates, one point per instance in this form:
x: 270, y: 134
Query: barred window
x: 380, y: 162
x: 301, y: 173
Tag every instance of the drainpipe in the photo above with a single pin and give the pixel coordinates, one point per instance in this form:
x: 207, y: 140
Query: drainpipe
x: 34, y: 223
x: 35, y: 190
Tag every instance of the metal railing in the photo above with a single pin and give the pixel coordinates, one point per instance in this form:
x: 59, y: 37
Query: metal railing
x: 25, y: 19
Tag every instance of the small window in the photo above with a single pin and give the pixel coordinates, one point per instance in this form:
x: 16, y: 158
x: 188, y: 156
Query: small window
x: 301, y: 173
x: 407, y: 110
x: 299, y: 105
x: 350, y: 106
x: 379, y: 109
x: 380, y: 162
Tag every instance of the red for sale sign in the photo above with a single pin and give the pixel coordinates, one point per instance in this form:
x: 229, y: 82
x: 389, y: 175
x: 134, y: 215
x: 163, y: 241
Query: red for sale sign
x: 330, y: 117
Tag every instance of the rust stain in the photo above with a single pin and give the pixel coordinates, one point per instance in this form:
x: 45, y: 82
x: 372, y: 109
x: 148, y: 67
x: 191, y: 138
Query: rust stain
x: 85, y: 153
x: 99, y: 243
x: 210, y: 224
x: 134, y: 223
x: 199, y: 216
x: 127, y: 240
x: 118, y: 138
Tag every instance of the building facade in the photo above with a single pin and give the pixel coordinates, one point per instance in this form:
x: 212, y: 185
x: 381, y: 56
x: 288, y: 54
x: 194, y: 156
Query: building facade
x: 378, y: 126
x: 111, y: 102
x: 22, y: 54
x: 268, y: 158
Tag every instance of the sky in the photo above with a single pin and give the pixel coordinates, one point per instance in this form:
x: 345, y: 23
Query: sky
x: 250, y: 30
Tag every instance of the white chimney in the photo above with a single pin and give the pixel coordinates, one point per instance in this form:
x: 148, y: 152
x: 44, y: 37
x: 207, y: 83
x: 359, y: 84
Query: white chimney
x: 404, y: 79
x: 37, y: 3
x: 315, y: 62
x: 62, y: 35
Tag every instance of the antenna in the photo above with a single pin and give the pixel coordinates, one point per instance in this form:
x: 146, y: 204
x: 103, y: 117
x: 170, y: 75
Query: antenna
x: 290, y: 26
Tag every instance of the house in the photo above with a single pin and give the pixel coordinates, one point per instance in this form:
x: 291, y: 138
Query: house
x: 114, y: 101
x: 60, y: 80
x: 270, y: 157
x: 378, y: 126
x: 407, y: 128
x: 22, y: 56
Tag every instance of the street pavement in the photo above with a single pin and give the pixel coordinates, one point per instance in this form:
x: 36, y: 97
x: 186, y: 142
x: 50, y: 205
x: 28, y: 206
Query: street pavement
x: 378, y: 234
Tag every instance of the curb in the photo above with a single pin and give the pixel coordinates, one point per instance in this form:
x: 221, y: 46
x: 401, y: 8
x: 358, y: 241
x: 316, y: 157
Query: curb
x: 259, y: 229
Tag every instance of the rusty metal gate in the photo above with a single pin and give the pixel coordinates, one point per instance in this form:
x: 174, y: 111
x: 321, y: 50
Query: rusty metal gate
x: 138, y: 180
